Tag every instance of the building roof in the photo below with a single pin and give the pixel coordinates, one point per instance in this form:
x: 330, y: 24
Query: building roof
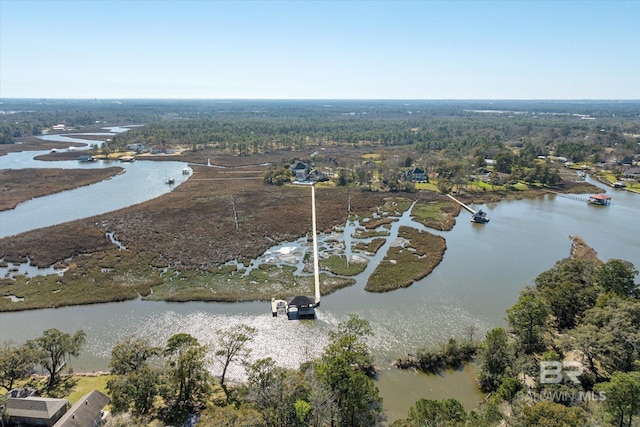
x: 87, y: 409
x: 34, y: 407
x: 298, y: 165
x: 601, y: 197
x: 301, y: 301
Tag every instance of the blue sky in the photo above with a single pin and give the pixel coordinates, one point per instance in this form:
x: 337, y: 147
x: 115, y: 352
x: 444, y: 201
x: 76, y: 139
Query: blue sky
x: 320, y: 49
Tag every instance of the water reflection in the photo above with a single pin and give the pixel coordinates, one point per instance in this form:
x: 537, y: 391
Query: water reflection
x: 12, y: 270
x: 140, y: 182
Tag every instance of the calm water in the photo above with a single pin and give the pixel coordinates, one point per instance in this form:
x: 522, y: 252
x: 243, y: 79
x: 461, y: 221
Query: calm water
x: 484, y: 268
x: 140, y: 182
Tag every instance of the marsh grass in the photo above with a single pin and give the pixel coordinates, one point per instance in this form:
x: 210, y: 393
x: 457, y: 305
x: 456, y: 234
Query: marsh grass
x: 371, y: 247
x: 436, y: 214
x: 366, y: 234
x: 337, y: 264
x: 108, y: 274
x: 260, y: 284
x: 403, y: 265
x: 105, y: 277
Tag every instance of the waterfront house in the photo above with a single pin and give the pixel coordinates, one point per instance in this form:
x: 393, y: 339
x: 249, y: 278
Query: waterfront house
x: 300, y: 171
x: 138, y: 147
x: 86, y: 158
x: 159, y: 150
x: 416, y: 175
x: 26, y: 408
x: 317, y: 176
x: 35, y: 411
x: 87, y: 412
x: 632, y: 173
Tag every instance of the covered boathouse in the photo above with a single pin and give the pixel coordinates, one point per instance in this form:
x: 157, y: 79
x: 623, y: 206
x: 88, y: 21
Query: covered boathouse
x: 600, y: 199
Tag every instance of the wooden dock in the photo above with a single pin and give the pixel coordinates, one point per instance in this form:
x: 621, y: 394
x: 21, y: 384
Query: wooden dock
x: 597, y: 199
x: 278, y: 306
x: 461, y: 204
x: 568, y: 196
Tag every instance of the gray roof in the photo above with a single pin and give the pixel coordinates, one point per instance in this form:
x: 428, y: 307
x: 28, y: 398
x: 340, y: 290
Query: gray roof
x: 298, y: 165
x: 301, y: 301
x: 85, y: 410
x: 34, y: 407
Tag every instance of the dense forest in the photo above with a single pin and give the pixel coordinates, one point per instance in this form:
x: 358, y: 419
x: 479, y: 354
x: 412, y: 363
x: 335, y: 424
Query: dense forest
x: 575, y: 130
x: 581, y: 317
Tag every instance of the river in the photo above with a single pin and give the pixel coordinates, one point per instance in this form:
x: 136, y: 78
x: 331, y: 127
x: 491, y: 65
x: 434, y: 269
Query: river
x: 141, y: 181
x: 483, y: 270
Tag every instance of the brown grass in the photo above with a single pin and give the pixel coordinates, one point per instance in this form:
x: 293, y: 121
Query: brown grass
x: 193, y: 230
x: 20, y: 185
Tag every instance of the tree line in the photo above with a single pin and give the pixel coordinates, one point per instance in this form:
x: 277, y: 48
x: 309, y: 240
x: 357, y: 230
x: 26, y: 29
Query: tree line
x: 168, y: 383
x: 581, y: 310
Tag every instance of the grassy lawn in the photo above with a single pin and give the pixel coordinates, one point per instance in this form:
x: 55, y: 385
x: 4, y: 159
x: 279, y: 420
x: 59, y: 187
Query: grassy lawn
x: 71, y: 387
x: 87, y: 384
x: 429, y: 186
x: 633, y: 187
x: 608, y: 176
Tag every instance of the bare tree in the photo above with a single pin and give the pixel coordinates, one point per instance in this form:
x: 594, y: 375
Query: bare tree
x: 470, y: 331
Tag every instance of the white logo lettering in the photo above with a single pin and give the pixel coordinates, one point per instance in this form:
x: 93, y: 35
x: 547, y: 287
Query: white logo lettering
x: 552, y: 372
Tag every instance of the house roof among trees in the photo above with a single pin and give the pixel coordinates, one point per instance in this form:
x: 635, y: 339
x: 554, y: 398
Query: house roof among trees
x: 298, y: 165
x: 34, y: 407
x: 85, y: 411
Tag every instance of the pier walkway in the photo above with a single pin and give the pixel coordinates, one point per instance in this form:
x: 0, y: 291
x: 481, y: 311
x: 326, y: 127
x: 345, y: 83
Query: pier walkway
x: 461, y: 204
x: 569, y: 196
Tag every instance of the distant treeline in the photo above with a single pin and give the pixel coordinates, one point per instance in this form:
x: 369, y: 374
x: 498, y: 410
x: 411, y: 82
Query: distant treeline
x: 250, y: 127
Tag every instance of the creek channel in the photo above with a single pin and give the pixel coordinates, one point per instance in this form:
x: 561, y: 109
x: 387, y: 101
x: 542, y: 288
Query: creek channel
x: 484, y: 268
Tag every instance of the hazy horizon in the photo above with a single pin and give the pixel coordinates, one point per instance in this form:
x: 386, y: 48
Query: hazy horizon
x: 41, y: 99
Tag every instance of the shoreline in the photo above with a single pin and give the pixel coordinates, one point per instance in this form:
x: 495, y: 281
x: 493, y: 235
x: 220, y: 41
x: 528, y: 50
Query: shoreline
x: 21, y: 185
x: 98, y: 272
x: 105, y: 289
